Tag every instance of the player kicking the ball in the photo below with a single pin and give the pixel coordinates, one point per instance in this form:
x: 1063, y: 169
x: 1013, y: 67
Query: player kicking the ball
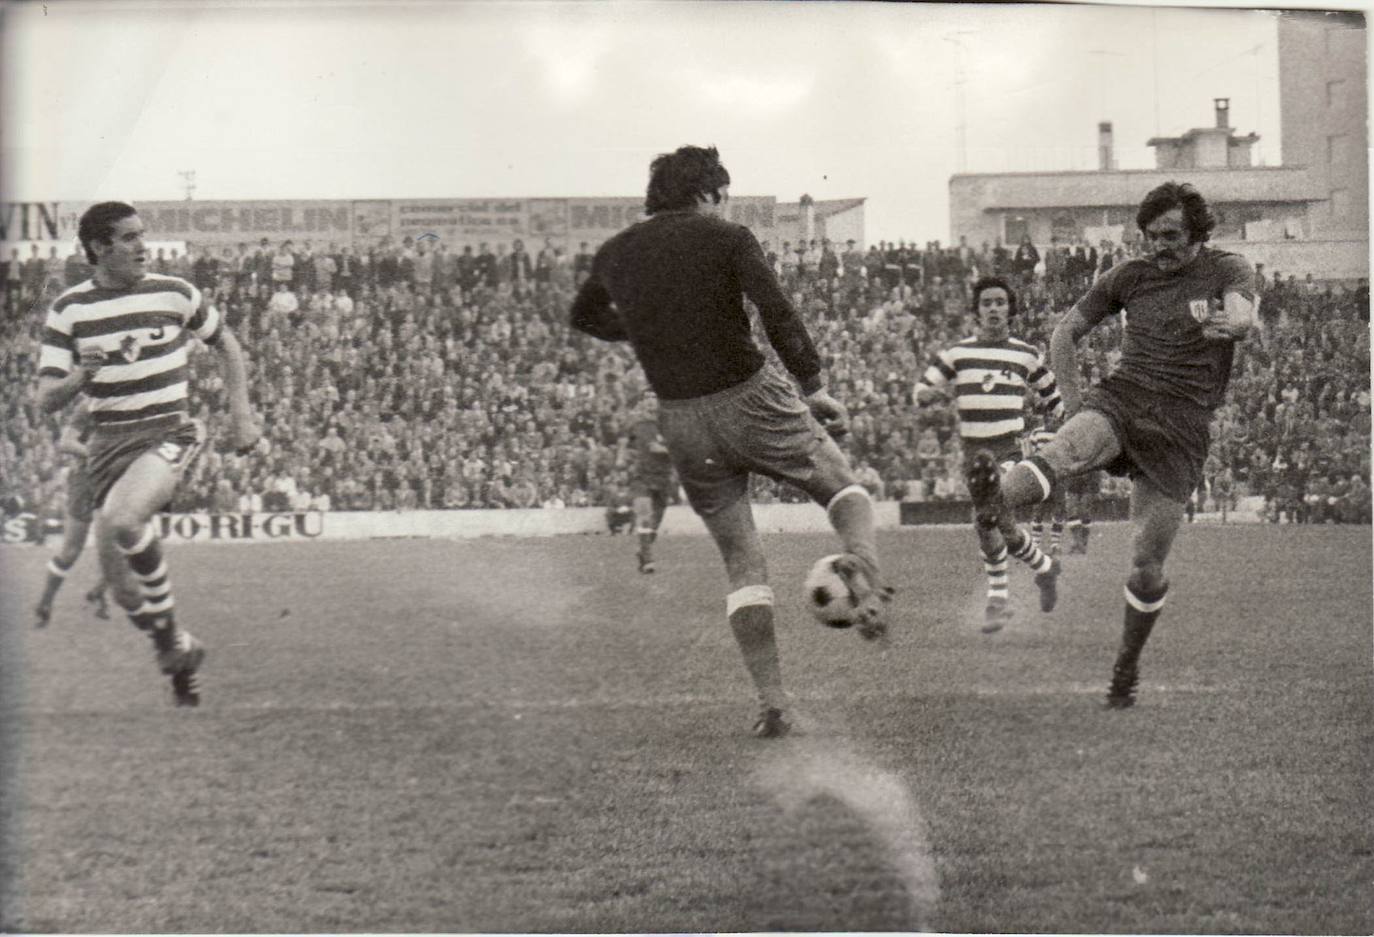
x: 120, y: 339
x: 674, y: 287
x: 1184, y: 308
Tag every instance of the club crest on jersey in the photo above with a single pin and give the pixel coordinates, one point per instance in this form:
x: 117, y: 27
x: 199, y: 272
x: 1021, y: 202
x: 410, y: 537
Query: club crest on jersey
x: 129, y: 348
x: 1199, y: 308
x: 989, y: 382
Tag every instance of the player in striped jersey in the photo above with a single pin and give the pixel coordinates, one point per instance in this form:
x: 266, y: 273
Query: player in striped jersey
x: 120, y: 339
x: 990, y: 374
x: 76, y: 525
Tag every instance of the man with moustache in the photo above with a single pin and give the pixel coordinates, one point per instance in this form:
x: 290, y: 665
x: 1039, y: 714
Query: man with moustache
x: 1184, y: 305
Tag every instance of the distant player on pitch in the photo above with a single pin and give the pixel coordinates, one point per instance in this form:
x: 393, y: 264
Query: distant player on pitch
x: 76, y: 525
x: 652, y: 482
x: 989, y: 375
x: 674, y: 286
x: 1184, y: 305
x: 120, y: 339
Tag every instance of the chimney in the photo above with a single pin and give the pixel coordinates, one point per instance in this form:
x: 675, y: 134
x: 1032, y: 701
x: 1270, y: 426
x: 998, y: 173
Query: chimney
x: 1223, y: 113
x: 808, y: 207
x: 1106, y: 158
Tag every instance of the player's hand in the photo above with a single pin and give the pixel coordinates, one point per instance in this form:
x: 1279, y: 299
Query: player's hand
x: 245, y: 435
x: 1217, y: 327
x: 90, y: 359
x: 830, y: 413
x: 925, y: 395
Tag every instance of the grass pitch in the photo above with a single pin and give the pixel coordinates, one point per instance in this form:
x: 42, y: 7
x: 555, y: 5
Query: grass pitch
x: 528, y: 736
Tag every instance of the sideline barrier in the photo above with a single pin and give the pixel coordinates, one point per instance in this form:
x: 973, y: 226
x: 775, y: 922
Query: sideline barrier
x: 534, y: 522
x: 679, y: 520
x: 961, y: 512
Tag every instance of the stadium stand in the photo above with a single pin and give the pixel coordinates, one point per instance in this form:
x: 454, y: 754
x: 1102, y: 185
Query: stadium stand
x: 398, y: 378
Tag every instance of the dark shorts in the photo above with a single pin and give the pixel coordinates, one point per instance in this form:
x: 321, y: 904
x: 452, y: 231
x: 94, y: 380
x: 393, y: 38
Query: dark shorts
x: 1006, y: 451
x: 80, y: 494
x: 1084, y: 484
x: 652, y: 488
x: 760, y: 425
x: 113, y: 451
x: 650, y: 503
x: 1163, y: 439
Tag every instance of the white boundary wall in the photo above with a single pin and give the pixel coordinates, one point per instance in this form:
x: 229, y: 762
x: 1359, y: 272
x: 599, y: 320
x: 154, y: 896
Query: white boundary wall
x: 537, y: 522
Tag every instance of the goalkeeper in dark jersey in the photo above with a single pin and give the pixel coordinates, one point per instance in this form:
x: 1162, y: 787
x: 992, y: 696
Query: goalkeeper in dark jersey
x: 674, y: 287
x: 651, y: 483
x: 1184, y: 306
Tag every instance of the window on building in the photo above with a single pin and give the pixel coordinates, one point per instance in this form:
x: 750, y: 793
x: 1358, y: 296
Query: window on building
x: 1065, y: 229
x: 1335, y: 149
x: 1335, y: 93
x: 1340, y: 203
x: 1015, y: 229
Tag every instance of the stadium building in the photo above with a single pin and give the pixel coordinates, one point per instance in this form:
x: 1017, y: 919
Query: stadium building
x: 361, y: 223
x: 1308, y: 215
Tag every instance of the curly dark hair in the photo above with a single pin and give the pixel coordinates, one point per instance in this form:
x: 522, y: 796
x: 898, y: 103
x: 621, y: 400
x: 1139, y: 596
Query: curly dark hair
x: 1197, y: 214
x: 987, y: 283
x: 97, y: 224
x: 681, y: 178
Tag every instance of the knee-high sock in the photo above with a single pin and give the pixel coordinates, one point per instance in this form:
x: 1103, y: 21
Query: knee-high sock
x: 155, y: 614
x: 1142, y: 610
x: 750, y: 609
x: 995, y: 565
x: 1028, y: 553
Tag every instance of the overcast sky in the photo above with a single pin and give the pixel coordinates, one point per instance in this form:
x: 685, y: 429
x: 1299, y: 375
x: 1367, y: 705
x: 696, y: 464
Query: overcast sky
x: 839, y: 100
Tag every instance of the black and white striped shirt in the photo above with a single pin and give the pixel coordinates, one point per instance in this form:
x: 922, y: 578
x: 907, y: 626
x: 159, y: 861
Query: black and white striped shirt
x: 143, y: 331
x: 990, y: 381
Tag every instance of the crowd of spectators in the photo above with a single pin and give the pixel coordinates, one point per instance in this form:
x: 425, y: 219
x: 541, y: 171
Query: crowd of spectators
x: 412, y: 376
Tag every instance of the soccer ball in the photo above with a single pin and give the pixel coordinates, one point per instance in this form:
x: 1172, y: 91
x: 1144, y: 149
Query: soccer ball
x: 828, y: 594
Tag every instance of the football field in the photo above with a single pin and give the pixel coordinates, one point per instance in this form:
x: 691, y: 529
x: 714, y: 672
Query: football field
x: 528, y: 736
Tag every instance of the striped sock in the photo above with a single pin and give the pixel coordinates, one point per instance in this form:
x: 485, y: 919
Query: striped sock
x: 1029, y: 553
x: 1037, y: 532
x: 995, y: 565
x: 1056, y: 535
x: 155, y: 615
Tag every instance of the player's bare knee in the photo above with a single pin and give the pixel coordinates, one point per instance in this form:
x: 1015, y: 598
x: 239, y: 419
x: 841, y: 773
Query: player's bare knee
x: 125, y: 528
x: 1085, y: 442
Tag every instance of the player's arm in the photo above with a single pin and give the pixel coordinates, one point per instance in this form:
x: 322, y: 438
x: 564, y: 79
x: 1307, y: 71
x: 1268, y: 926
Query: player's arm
x: 56, y: 390
x: 64, y: 369
x: 69, y: 442
x: 1064, y: 357
x: 1232, y: 318
x: 207, y: 325
x: 934, y: 383
x: 781, y: 323
x: 594, y: 313
x: 1101, y: 300
x: 1048, y: 399
x: 1238, y: 311
x: 786, y: 333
